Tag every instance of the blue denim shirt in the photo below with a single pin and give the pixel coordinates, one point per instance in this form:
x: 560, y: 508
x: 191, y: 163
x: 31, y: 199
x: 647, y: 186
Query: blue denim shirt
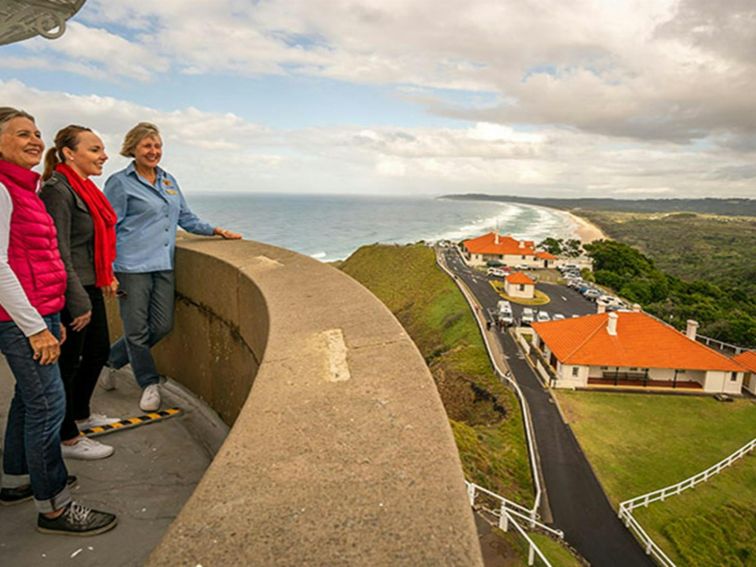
x: 147, y: 219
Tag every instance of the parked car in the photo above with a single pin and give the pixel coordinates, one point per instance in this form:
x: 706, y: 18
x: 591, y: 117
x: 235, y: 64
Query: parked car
x: 592, y: 294
x: 528, y: 316
x: 522, y: 267
x: 498, y: 272
x: 557, y: 317
x: 504, y: 306
x: 506, y: 318
x: 543, y: 317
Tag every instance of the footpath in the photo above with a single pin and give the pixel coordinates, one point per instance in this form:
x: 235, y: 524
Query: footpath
x: 576, y: 502
x: 146, y: 481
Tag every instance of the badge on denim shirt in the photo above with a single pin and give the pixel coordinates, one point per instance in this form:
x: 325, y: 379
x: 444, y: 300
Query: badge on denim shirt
x: 171, y: 191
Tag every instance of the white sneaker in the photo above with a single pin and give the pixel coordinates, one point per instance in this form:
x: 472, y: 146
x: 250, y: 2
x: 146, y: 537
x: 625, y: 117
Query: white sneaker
x: 107, y: 378
x: 150, y: 398
x: 95, y: 420
x: 86, y: 449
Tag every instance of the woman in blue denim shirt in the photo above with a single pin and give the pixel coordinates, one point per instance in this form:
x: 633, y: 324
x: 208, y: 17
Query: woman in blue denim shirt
x: 149, y: 206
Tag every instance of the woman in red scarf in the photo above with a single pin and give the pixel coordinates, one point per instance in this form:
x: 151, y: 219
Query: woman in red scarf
x: 85, y: 222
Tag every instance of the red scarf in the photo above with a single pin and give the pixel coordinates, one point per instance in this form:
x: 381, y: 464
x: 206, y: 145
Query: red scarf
x: 103, y: 219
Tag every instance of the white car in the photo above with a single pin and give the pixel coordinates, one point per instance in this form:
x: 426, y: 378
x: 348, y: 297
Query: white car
x: 543, y: 317
x: 528, y: 316
x: 506, y: 318
x: 504, y: 306
x: 498, y: 272
x: 557, y: 317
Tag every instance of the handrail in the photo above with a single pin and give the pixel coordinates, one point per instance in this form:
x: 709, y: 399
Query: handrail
x: 506, y: 515
x: 626, y: 508
x: 532, y: 454
x: 674, y: 489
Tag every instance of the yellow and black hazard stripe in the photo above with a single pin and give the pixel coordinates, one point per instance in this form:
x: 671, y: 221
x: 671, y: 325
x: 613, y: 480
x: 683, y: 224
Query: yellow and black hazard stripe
x: 130, y: 422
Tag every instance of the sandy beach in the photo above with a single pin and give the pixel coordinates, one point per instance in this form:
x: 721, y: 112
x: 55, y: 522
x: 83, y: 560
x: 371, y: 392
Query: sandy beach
x: 587, y: 231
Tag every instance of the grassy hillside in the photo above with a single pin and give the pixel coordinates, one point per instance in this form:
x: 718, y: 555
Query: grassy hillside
x: 484, y: 415
x: 689, y: 266
x: 690, y: 246
x: 637, y: 443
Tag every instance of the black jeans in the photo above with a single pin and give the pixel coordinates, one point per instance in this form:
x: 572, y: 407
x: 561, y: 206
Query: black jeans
x: 82, y: 357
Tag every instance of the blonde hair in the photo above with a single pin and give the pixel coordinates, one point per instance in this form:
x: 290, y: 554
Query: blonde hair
x: 135, y: 135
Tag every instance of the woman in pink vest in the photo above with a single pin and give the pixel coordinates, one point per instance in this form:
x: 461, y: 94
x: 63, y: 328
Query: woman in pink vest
x: 32, y: 287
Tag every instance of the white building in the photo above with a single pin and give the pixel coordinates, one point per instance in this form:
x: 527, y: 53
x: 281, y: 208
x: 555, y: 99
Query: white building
x: 633, y: 350
x: 507, y: 250
x: 519, y: 285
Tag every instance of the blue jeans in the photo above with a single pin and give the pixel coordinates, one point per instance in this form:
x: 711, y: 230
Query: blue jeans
x: 32, y: 436
x: 147, y: 314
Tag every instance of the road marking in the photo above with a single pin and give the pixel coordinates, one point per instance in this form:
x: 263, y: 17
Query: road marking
x: 130, y: 422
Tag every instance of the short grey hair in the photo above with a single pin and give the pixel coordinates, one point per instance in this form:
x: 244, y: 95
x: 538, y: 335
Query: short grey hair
x: 137, y: 134
x: 8, y: 113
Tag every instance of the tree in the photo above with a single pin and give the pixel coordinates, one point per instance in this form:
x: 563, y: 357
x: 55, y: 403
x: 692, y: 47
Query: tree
x: 552, y: 245
x: 573, y: 248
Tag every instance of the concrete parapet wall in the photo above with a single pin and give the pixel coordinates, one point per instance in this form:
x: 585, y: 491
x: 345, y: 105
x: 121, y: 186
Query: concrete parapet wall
x: 340, y: 452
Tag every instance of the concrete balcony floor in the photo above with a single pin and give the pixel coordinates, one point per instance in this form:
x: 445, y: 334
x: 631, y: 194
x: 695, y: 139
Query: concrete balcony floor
x: 146, y: 482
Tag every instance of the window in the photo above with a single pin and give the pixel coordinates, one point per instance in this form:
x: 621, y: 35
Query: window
x: 734, y: 377
x: 522, y: 287
x: 604, y: 368
x: 523, y: 257
x: 575, y: 371
x: 633, y: 370
x: 680, y: 371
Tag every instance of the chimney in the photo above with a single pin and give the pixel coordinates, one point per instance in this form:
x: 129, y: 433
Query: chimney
x: 496, y: 237
x: 600, y: 307
x: 522, y: 244
x: 690, y: 330
x: 611, y: 324
x: 636, y: 307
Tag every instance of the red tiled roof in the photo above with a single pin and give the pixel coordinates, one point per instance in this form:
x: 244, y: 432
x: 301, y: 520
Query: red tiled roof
x: 747, y: 360
x: 519, y: 278
x: 486, y: 244
x: 545, y: 256
x: 641, y: 341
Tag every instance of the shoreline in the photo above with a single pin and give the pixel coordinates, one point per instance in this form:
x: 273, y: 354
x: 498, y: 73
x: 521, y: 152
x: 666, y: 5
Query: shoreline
x: 586, y: 230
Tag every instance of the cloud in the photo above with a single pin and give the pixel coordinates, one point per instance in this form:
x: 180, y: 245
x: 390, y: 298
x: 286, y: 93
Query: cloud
x: 224, y: 152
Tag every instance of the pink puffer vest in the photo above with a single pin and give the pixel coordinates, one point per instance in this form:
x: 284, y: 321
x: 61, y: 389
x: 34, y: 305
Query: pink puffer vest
x: 33, y: 246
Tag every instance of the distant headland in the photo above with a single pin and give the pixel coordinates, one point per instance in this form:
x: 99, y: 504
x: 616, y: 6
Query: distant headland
x: 727, y: 207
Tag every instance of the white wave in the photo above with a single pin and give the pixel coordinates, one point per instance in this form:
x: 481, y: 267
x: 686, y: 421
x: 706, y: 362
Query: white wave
x: 318, y: 255
x: 505, y: 217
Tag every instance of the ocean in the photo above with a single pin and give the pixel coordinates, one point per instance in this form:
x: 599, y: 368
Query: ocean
x: 331, y: 227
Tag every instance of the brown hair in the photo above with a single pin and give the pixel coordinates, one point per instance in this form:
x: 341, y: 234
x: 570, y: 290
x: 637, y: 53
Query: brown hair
x: 68, y: 137
x: 136, y: 135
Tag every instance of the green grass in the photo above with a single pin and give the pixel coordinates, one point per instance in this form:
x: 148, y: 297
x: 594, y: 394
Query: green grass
x: 637, y: 443
x: 484, y: 414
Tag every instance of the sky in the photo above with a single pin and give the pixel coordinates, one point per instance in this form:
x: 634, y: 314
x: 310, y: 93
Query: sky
x: 541, y: 98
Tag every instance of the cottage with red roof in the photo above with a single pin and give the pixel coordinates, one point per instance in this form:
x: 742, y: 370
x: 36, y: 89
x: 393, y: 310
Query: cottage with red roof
x: 633, y: 350
x: 519, y: 285
x: 747, y: 360
x: 507, y: 250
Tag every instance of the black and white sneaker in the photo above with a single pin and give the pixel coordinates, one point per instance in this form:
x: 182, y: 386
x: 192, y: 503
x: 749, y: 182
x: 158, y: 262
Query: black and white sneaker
x: 77, y: 520
x: 10, y: 496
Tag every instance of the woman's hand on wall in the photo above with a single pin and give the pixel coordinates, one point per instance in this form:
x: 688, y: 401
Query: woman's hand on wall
x: 226, y: 234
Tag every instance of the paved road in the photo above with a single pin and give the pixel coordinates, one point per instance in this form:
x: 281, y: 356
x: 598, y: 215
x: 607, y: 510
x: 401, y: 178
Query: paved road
x: 578, y: 504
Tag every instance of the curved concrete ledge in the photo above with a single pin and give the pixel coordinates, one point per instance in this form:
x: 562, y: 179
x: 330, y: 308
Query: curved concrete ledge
x: 340, y: 451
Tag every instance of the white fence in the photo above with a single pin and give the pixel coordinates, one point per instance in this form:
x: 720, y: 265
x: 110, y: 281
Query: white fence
x: 626, y: 508
x: 532, y: 454
x: 507, y: 513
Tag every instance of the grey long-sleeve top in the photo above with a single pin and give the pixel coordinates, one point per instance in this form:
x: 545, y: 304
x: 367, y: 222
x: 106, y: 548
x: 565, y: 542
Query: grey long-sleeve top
x: 75, y: 240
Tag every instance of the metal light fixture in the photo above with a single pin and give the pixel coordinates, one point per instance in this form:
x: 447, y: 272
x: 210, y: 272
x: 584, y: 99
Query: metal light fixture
x: 22, y: 19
